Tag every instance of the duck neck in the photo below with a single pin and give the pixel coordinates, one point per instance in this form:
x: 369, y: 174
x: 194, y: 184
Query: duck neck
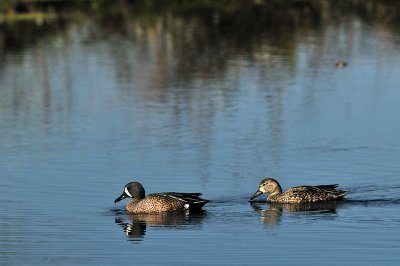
x: 273, y: 197
x: 276, y: 192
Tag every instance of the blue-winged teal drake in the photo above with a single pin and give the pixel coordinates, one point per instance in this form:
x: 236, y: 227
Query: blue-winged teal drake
x: 298, y: 194
x: 159, y: 202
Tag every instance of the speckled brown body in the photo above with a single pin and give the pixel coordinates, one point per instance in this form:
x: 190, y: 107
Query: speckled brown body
x: 155, y: 203
x: 159, y: 202
x: 307, y: 194
x: 299, y: 194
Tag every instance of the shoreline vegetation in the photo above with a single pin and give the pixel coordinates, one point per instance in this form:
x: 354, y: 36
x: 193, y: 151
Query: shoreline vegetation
x: 11, y: 10
x: 23, y: 22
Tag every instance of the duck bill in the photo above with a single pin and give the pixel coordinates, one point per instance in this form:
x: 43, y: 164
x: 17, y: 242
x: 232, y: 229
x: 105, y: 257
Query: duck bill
x: 256, y: 194
x: 123, y: 196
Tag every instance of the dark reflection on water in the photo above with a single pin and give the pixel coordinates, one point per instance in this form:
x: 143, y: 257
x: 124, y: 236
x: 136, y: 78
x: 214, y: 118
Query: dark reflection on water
x: 135, y: 225
x: 271, y: 213
x: 300, y: 207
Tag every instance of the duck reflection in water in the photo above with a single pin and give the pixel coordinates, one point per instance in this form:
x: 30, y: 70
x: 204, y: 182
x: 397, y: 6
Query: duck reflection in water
x: 272, y: 215
x: 136, y: 226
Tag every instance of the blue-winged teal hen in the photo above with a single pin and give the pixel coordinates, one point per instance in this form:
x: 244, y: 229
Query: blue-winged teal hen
x: 298, y: 194
x: 159, y: 202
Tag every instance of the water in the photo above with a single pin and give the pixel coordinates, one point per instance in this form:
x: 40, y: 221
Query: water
x: 180, y: 105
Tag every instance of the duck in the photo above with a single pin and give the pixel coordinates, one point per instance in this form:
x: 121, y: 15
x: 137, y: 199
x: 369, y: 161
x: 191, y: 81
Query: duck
x: 159, y: 202
x: 300, y: 194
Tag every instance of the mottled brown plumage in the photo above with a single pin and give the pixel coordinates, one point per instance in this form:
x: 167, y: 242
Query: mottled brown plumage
x: 298, y: 194
x: 159, y: 202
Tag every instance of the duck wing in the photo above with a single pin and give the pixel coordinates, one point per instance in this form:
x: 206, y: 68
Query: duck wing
x: 333, y: 186
x: 316, y: 193
x: 191, y: 198
x: 320, y: 188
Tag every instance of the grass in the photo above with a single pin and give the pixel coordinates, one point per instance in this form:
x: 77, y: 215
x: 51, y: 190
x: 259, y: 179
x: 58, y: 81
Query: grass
x: 31, y: 16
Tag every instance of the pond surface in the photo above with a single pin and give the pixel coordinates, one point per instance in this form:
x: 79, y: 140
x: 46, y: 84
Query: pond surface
x: 197, y: 104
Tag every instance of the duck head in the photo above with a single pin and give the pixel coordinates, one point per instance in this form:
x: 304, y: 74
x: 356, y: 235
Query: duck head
x: 267, y: 186
x: 133, y: 190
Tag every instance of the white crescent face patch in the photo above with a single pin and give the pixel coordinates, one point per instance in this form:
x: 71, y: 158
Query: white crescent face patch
x: 127, y: 192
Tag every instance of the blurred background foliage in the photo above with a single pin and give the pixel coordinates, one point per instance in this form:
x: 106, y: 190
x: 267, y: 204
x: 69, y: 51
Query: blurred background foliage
x: 244, y: 22
x: 12, y: 9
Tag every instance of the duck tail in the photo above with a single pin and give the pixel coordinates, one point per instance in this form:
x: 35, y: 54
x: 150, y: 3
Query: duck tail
x: 342, y: 193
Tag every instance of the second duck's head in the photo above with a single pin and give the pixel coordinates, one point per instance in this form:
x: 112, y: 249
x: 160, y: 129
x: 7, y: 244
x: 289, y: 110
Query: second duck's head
x: 267, y: 186
x: 133, y: 190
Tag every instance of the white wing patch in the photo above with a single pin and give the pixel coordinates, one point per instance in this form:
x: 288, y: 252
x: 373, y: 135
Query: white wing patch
x: 186, y: 206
